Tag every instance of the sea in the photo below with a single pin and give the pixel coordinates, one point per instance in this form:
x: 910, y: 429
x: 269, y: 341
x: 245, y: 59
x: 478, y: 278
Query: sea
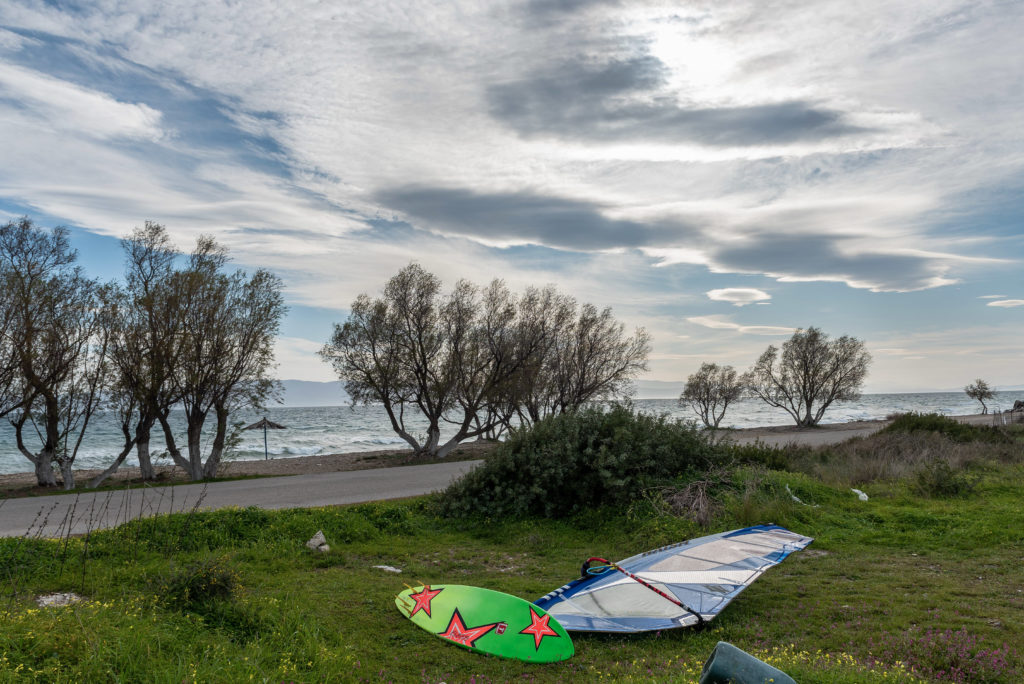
x: 340, y: 429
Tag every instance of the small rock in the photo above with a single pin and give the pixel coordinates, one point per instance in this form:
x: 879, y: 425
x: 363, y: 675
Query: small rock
x: 318, y: 542
x: 387, y: 568
x: 58, y: 600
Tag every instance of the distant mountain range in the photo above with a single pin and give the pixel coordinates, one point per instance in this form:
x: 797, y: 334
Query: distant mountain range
x: 311, y: 393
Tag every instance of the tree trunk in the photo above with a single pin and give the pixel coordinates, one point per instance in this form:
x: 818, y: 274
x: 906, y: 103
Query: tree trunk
x: 142, y: 437
x: 429, y: 448
x: 172, y: 445
x: 195, y: 451
x: 45, y: 476
x: 213, y: 461
x: 112, y: 468
x: 67, y: 473
x: 43, y: 461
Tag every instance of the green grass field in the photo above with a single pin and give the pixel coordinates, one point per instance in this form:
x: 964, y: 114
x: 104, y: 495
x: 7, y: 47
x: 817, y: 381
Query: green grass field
x: 903, y: 587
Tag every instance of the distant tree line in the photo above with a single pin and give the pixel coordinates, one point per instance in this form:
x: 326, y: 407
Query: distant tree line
x: 806, y: 376
x: 179, y: 331
x: 482, y: 360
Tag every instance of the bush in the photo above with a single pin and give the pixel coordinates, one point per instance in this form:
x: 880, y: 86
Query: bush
x: 953, y: 429
x: 568, y: 463
x: 191, y: 586
x: 938, y: 478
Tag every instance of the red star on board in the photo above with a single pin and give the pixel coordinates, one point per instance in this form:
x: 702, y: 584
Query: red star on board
x: 423, y: 599
x: 539, y: 628
x: 460, y: 634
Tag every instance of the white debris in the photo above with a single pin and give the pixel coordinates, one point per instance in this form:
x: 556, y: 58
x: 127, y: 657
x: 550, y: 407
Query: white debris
x: 318, y: 542
x: 387, y: 568
x: 58, y: 600
x: 860, y: 495
x: 794, y: 496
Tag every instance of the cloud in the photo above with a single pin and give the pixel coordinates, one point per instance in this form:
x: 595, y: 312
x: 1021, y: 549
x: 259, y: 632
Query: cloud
x: 720, y: 323
x: 738, y: 296
x: 992, y: 297
x: 70, y: 107
x: 523, y: 217
x: 625, y: 100
x: 795, y: 258
x: 1007, y: 303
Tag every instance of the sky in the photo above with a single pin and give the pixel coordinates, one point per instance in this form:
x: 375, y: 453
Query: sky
x: 718, y: 173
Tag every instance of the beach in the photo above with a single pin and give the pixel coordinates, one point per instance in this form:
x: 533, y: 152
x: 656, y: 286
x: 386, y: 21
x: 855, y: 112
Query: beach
x: 776, y: 435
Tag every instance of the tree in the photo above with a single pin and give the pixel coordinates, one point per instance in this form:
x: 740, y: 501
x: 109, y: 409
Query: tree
x: 424, y: 356
x: 476, y: 359
x: 586, y: 356
x: 225, y: 350
x: 58, y: 342
x: 143, y: 345
x: 710, y: 390
x: 980, y: 391
x: 811, y: 373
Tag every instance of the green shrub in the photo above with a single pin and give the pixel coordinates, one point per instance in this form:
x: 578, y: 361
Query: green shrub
x: 572, y: 462
x: 759, y: 453
x: 940, y: 479
x: 953, y: 429
x: 190, y: 586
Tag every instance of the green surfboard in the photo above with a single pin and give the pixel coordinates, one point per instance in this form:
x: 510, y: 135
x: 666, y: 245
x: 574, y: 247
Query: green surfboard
x: 486, y: 621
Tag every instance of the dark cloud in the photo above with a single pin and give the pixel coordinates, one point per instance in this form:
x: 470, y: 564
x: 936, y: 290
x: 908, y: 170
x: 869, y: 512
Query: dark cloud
x: 818, y: 257
x: 540, y: 219
x: 620, y: 101
x: 543, y: 9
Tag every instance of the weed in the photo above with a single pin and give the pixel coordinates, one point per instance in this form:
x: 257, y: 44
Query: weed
x: 194, y: 584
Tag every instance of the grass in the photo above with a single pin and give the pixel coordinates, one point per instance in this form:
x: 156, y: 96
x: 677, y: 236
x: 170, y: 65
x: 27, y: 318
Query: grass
x: 906, y: 586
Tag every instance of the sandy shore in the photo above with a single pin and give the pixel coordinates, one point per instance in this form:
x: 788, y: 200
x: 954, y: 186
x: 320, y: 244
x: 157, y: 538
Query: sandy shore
x: 780, y: 435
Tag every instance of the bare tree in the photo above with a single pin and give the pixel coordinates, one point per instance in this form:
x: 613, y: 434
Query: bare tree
x: 144, y: 342
x: 710, y: 390
x: 225, y: 350
x: 588, y: 357
x: 980, y: 391
x: 425, y: 356
x: 477, y: 359
x: 59, y: 344
x: 811, y: 373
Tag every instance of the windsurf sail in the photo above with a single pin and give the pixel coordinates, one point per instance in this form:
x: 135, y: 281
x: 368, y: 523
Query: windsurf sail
x: 679, y: 585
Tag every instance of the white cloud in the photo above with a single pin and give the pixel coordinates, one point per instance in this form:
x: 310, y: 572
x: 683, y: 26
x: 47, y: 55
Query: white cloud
x: 738, y: 296
x: 720, y: 323
x: 297, y: 360
x: 1007, y: 303
x: 361, y: 102
x: 992, y: 297
x: 62, y: 105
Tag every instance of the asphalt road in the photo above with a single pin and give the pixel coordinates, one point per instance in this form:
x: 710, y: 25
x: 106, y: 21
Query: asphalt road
x: 51, y: 516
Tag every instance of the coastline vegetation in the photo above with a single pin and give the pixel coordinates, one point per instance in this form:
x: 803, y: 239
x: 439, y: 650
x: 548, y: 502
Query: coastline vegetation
x: 911, y: 585
x: 180, y: 330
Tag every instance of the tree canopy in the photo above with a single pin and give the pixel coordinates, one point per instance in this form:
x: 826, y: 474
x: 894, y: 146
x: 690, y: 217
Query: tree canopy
x: 811, y: 372
x: 478, y: 359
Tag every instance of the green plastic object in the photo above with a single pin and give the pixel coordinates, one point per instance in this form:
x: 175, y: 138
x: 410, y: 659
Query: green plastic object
x: 730, y: 665
x: 486, y: 621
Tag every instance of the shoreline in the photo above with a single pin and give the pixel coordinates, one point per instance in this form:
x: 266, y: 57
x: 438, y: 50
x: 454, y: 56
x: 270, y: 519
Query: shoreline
x: 773, y: 435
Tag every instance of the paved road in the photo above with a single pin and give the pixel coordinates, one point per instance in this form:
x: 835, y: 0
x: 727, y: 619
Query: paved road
x: 49, y: 516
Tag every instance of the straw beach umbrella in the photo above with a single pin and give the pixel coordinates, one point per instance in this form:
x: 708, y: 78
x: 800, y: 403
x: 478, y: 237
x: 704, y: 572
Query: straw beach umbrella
x: 266, y: 425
